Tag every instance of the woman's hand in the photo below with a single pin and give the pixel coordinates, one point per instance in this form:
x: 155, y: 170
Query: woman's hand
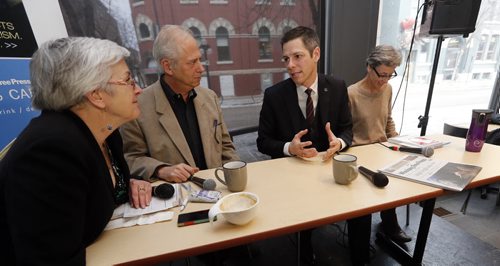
x: 139, y: 193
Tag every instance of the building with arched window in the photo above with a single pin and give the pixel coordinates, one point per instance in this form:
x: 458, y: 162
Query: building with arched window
x: 239, y: 40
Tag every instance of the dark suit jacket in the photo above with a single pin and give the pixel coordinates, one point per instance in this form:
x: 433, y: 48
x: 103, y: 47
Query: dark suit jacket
x: 281, y: 118
x: 56, y: 193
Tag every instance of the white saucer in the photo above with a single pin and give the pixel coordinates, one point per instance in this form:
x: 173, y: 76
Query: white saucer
x: 317, y: 158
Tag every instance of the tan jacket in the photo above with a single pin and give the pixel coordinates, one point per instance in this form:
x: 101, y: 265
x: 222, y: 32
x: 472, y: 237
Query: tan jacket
x: 155, y: 138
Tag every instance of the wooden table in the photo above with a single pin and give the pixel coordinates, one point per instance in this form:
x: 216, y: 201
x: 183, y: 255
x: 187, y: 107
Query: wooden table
x: 294, y: 195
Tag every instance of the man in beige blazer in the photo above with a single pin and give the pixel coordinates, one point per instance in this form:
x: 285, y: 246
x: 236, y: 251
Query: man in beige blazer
x: 181, y: 128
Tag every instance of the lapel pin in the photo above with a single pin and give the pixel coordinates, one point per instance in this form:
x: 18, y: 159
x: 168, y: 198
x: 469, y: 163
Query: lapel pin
x: 325, y: 89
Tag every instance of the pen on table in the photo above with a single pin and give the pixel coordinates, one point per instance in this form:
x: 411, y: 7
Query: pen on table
x: 186, y: 199
x: 184, y: 204
x: 216, y: 123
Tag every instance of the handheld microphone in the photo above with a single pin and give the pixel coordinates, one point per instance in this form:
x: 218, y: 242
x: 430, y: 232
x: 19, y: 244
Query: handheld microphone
x: 378, y: 179
x: 206, y: 184
x: 163, y: 191
x: 425, y: 151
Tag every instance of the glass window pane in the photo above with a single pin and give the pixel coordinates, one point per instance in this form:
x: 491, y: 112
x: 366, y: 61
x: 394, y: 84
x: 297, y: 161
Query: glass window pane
x: 465, y: 72
x: 222, y: 38
x: 492, y: 47
x: 239, y: 40
x: 265, y: 46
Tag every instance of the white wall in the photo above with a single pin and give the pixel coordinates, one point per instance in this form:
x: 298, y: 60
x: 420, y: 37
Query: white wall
x: 46, y: 19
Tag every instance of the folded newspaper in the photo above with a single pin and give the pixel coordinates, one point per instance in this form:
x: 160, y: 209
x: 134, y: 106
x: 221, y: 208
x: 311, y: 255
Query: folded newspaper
x: 441, y: 174
x: 417, y: 142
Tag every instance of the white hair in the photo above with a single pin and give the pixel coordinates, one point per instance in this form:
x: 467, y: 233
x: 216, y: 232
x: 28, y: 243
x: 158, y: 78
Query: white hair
x: 64, y: 70
x: 167, y: 43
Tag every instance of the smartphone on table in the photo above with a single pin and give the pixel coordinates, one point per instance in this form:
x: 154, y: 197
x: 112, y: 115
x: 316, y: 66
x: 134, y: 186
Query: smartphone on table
x: 190, y: 218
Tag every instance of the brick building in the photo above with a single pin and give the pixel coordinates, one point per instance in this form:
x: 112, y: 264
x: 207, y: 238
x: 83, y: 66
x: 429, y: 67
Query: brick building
x: 240, y: 39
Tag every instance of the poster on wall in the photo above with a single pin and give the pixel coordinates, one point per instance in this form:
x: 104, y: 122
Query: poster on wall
x: 22, y: 27
x: 16, y: 35
x: 15, y: 98
x: 17, y: 45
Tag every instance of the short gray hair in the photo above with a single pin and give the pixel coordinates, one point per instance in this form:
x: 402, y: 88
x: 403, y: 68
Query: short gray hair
x: 64, y: 70
x: 384, y: 55
x: 166, y: 44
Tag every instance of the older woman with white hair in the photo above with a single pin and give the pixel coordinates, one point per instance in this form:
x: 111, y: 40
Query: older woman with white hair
x: 65, y: 173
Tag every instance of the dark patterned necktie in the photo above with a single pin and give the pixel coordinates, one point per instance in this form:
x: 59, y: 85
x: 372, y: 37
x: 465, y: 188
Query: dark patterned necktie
x: 309, y: 108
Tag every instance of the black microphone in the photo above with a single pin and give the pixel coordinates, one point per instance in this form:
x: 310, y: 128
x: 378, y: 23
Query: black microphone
x: 163, y: 191
x: 378, y: 179
x: 206, y: 184
x: 426, y: 151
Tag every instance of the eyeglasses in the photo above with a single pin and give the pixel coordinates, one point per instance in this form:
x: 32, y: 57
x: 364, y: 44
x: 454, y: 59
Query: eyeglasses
x: 130, y: 82
x: 385, y: 76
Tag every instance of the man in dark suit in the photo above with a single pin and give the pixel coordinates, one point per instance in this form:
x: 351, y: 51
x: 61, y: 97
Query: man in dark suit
x: 306, y: 114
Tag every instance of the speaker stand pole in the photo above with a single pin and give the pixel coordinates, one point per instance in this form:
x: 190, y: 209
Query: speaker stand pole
x: 425, y: 119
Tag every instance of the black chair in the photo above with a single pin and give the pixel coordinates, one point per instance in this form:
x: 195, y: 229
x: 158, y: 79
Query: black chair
x: 454, y: 131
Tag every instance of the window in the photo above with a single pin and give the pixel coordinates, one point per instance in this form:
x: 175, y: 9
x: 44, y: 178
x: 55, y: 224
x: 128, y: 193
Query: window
x: 492, y: 47
x: 187, y: 2
x: 137, y: 2
x: 265, y: 48
x: 144, y: 27
x: 263, y: 2
x: 464, y: 63
x: 452, y: 53
x: 286, y: 28
x: 152, y: 63
x: 196, y: 34
x: 218, y: 2
x: 287, y: 2
x: 226, y: 85
x: 481, y: 47
x: 222, y: 36
x: 266, y: 81
x: 144, y: 31
x: 448, y: 75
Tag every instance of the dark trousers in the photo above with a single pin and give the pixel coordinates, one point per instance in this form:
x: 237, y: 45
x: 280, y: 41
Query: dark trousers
x: 390, y: 220
x: 359, y: 232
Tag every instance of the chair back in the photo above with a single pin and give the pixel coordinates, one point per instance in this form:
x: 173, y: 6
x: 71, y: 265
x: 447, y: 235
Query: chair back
x: 454, y: 131
x: 494, y: 137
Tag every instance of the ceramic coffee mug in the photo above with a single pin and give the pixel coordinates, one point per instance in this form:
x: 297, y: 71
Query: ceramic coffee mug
x: 344, y: 168
x: 235, y: 175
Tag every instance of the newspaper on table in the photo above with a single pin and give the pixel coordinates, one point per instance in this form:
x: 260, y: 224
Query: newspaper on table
x: 417, y: 142
x: 125, y: 215
x: 441, y: 174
